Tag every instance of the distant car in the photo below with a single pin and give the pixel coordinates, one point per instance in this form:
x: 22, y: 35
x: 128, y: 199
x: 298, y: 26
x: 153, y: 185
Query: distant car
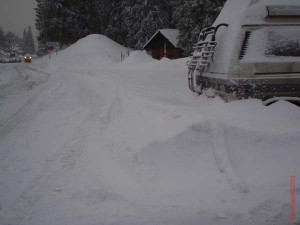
x: 27, y: 58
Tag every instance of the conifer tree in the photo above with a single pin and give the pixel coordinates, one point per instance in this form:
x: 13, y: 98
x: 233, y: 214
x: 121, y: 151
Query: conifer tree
x: 41, y: 20
x: 11, y: 41
x: 24, y: 42
x: 155, y: 16
x: 128, y: 22
x: 51, y: 21
x: 66, y: 21
x: 2, y: 39
x: 29, y: 41
x: 84, y: 17
x: 117, y: 26
x: 144, y: 18
x: 191, y: 16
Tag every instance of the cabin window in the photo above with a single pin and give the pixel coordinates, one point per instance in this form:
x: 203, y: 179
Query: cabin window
x: 283, y: 10
x: 283, y: 43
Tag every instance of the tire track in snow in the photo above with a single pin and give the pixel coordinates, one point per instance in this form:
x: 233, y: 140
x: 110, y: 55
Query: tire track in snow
x: 55, y: 175
x: 222, y: 159
x: 114, y: 111
x: 23, y: 85
x: 16, y: 77
x: 18, y: 113
x: 52, y: 179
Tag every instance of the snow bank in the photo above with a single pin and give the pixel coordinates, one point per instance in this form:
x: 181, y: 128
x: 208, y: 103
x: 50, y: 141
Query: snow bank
x: 285, y: 108
x: 94, y: 44
x: 94, y: 50
x: 137, y: 57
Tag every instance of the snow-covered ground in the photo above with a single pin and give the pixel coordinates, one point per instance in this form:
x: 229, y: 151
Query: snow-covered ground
x: 88, y: 140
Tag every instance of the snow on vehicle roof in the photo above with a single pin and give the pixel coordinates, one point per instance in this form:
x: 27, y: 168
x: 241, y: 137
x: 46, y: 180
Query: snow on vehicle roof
x: 281, y: 2
x: 257, y: 12
x: 238, y: 13
x: 170, y: 34
x: 227, y: 37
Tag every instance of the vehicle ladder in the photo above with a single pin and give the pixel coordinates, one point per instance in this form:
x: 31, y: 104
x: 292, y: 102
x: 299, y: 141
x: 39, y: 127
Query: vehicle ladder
x: 202, y: 57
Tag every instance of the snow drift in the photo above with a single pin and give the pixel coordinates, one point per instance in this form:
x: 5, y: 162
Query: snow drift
x: 105, y: 142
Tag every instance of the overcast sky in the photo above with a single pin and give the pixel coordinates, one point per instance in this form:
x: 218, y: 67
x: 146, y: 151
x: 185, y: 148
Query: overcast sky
x: 16, y: 15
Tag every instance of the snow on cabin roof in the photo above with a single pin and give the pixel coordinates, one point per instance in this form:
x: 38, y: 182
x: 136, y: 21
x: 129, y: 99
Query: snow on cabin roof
x: 170, y: 34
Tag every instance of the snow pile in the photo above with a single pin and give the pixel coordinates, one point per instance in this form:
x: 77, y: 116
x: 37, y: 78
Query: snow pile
x: 97, y: 141
x: 286, y: 109
x: 94, y: 50
x: 94, y: 44
x: 137, y: 57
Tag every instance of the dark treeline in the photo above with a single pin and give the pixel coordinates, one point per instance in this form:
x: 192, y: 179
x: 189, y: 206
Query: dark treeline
x: 128, y: 22
x: 11, y: 43
x: 27, y: 42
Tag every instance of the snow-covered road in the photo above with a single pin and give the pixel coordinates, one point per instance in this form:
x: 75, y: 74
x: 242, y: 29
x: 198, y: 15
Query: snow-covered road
x: 88, y: 140
x: 19, y: 86
x: 44, y: 129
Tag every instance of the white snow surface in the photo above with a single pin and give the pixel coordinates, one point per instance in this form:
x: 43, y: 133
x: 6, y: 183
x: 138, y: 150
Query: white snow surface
x: 137, y: 57
x: 88, y: 140
x: 228, y: 38
x: 171, y: 35
x: 238, y: 13
x: 257, y: 12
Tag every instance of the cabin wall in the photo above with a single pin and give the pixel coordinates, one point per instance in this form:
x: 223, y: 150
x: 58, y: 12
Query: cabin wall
x: 174, y: 53
x: 157, y: 46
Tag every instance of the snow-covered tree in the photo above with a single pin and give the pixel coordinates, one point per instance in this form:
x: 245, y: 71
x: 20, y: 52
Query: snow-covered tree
x: 51, y: 21
x: 145, y: 18
x: 191, y: 16
x: 128, y: 22
x: 85, y: 17
x: 11, y: 42
x: 66, y: 21
x: 24, y: 42
x: 2, y: 39
x: 117, y: 26
x: 131, y: 23
x: 30, y: 41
